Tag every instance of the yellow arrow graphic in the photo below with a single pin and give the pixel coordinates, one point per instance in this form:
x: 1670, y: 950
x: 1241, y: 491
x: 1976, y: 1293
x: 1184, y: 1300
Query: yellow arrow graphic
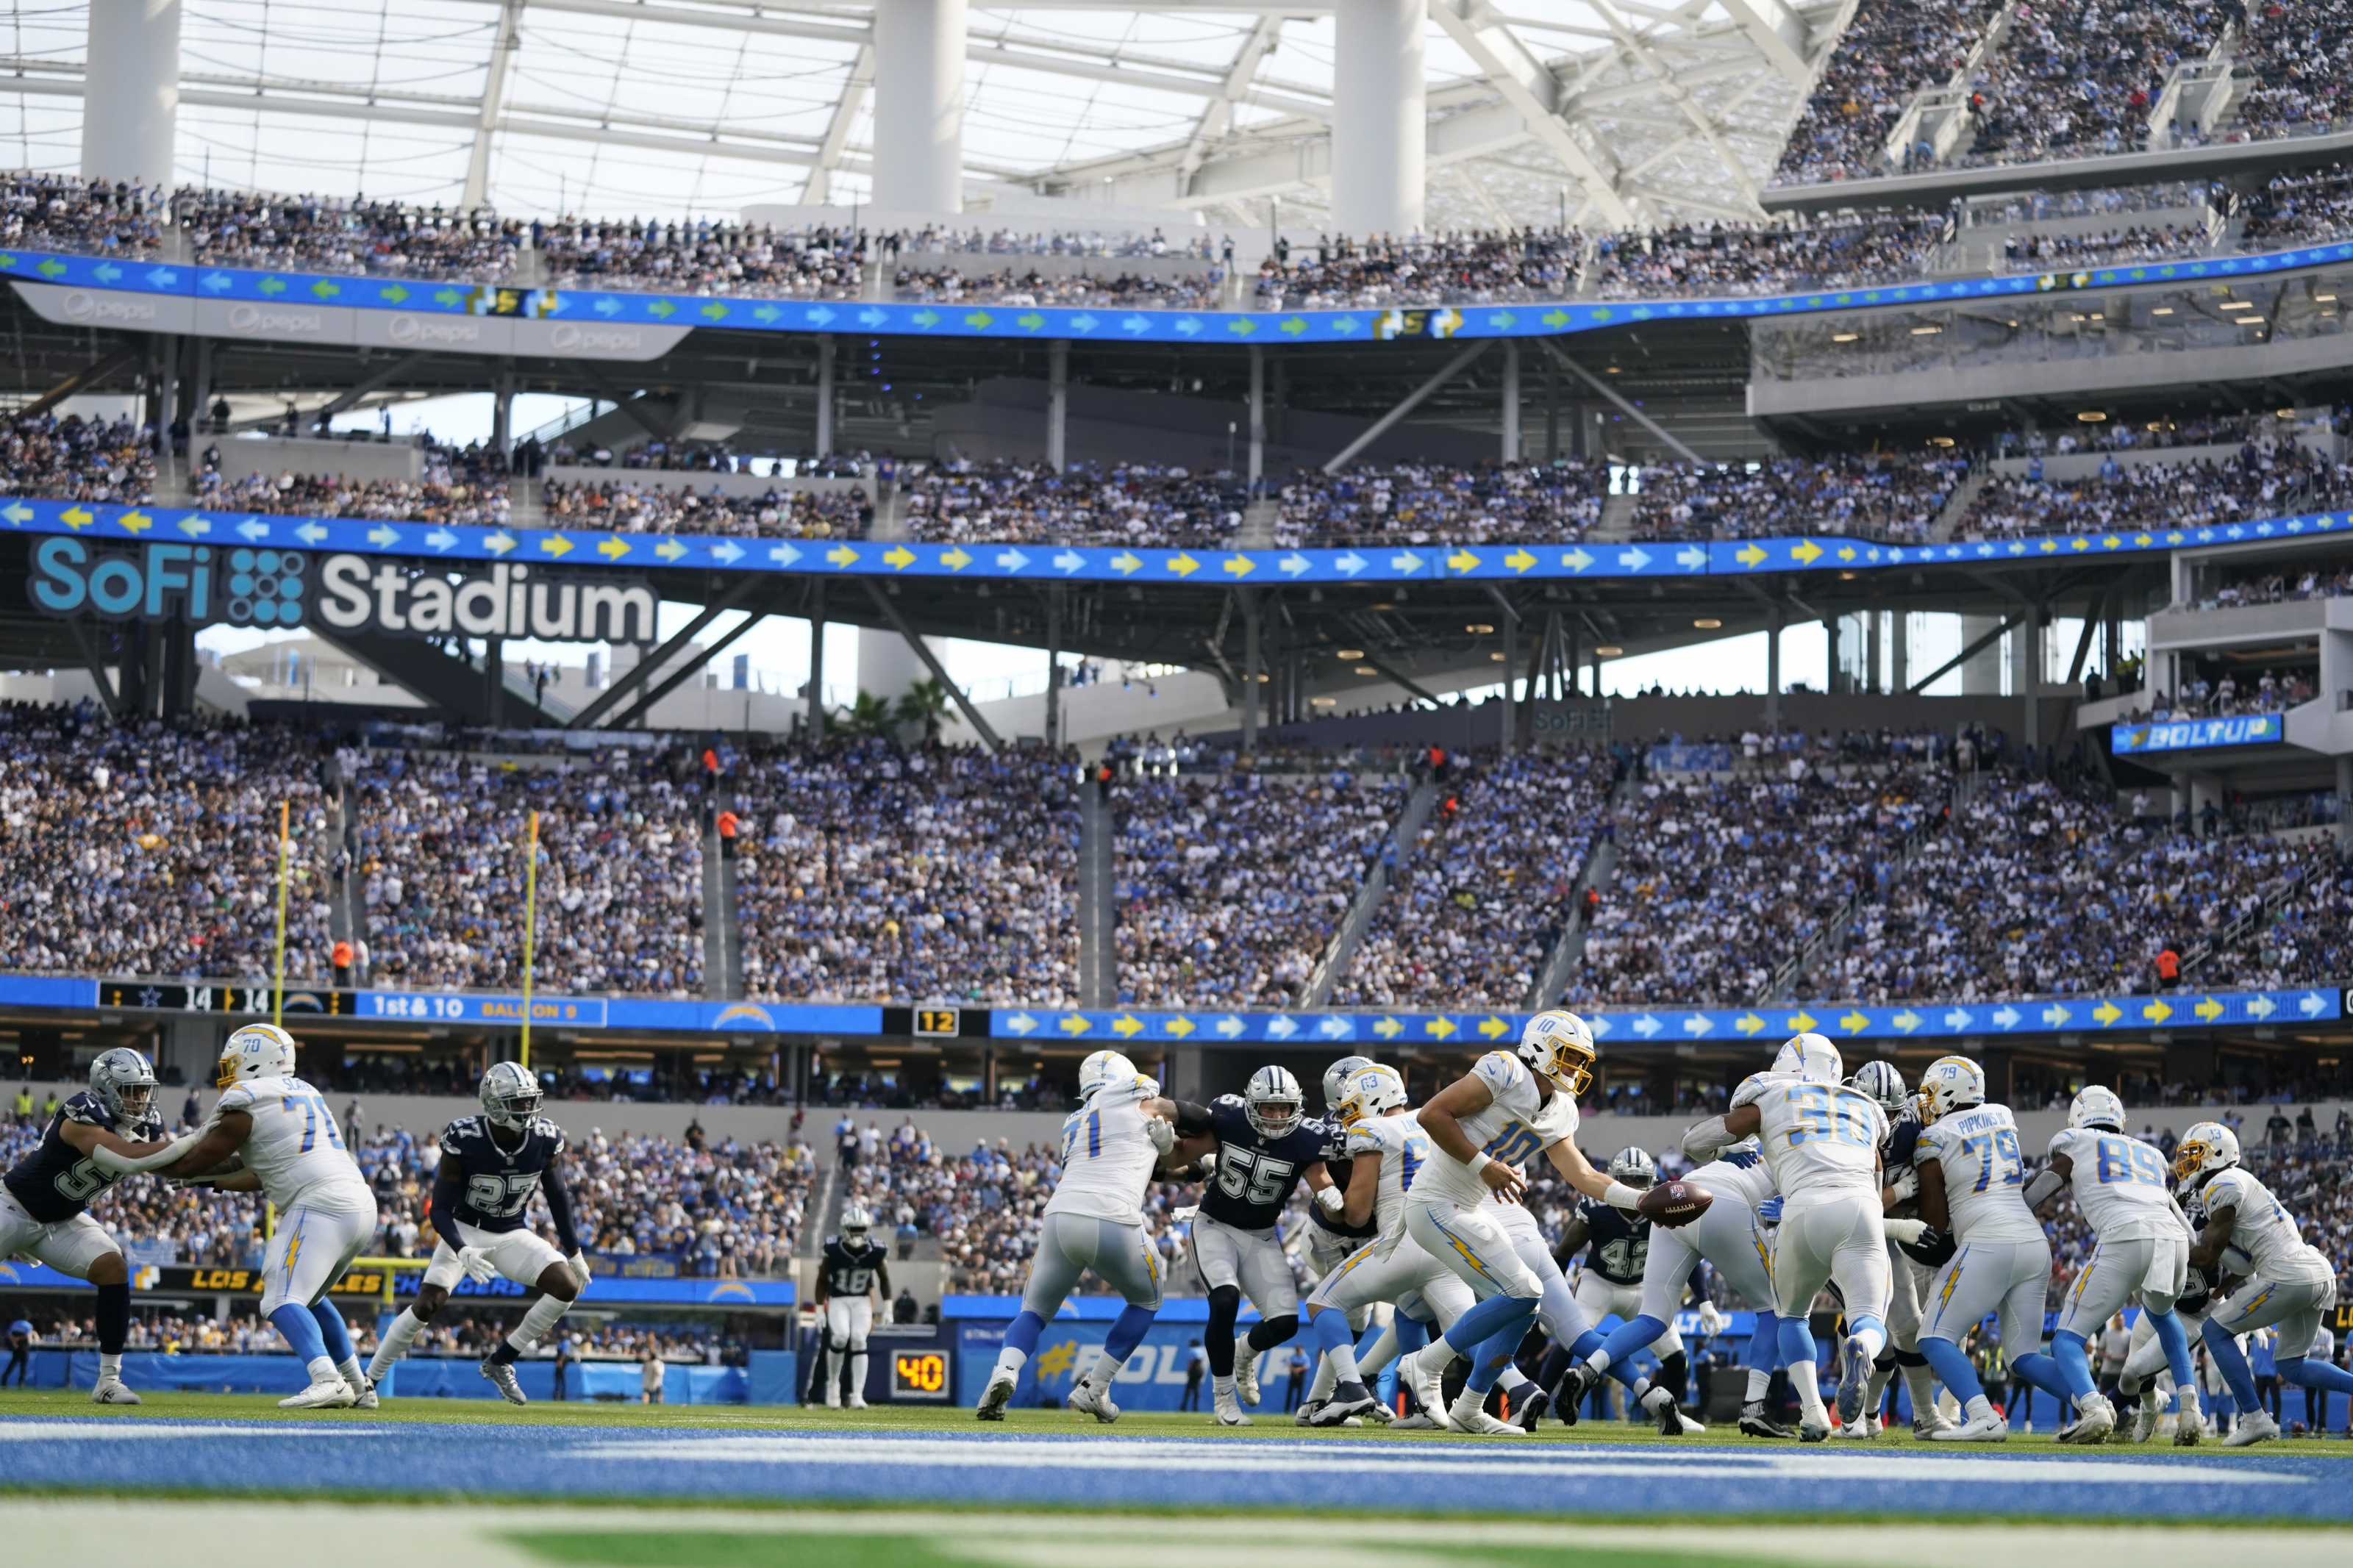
x: 1853, y: 1022
x: 2156, y: 1012
x: 1389, y: 1027
x: 612, y: 549
x: 1492, y: 1026
x: 556, y: 544
x: 1748, y: 1023
x: 1519, y: 560
x: 76, y: 517
x: 956, y: 560
x: 1439, y: 1028
x: 2209, y: 1009
x: 1806, y: 551
x: 1074, y: 1025
x: 1463, y: 561
x: 136, y: 522
x: 842, y: 555
x: 2107, y: 1012
x: 1180, y: 1027
x: 1751, y: 556
x: 1239, y: 565
x: 1124, y: 563
x: 1183, y: 565
x: 1800, y: 1022
x: 1126, y: 1026
x: 899, y: 557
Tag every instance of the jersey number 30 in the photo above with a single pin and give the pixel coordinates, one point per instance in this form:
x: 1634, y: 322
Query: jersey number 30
x: 1830, y: 1115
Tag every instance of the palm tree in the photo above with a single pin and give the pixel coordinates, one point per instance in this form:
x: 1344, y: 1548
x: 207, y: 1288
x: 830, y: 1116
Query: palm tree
x: 869, y: 715
x: 924, y: 704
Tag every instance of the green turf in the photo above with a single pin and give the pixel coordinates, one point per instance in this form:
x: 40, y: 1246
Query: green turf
x: 855, y: 1548
x: 935, y: 1418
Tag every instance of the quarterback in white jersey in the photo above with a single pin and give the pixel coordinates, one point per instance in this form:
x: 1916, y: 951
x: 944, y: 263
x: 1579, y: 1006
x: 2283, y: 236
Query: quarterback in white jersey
x: 1972, y: 1192
x: 283, y: 1138
x: 1390, y: 1152
x: 2292, y: 1289
x: 2120, y: 1189
x: 1464, y: 1208
x: 1821, y: 1142
x: 1112, y: 1144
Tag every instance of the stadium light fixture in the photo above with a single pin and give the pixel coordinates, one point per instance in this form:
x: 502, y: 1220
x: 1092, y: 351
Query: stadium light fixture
x: 1925, y: 331
x: 1366, y: 670
x: 1479, y: 629
x: 1844, y: 337
x: 1707, y: 623
x: 1323, y: 703
x: 2092, y: 417
x: 1610, y: 652
x: 1352, y: 654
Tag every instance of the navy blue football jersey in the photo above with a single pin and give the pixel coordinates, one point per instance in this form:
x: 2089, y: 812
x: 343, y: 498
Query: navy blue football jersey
x: 1255, y: 1174
x: 1620, y: 1245
x: 849, y: 1271
x: 57, y: 1181
x: 1340, y: 1167
x: 494, y: 1186
x: 1897, y: 1155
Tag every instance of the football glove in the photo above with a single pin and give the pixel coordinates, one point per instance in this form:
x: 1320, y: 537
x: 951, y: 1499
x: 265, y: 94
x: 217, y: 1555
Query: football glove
x: 1905, y: 1232
x: 477, y: 1265
x: 1934, y: 1248
x: 1331, y: 1200
x: 578, y: 1264
x: 1162, y: 1131
x: 1769, y: 1211
x: 1905, y: 1185
x: 1711, y: 1319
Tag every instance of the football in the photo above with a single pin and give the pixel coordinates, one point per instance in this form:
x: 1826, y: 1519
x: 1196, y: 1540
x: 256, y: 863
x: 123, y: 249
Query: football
x: 1673, y: 1203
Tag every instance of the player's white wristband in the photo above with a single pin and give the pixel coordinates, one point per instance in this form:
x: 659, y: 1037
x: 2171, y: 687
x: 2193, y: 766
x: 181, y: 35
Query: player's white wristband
x: 1481, y: 1161
x: 1622, y: 1196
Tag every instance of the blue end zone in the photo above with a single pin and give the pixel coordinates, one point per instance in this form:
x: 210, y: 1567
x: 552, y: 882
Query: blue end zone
x: 352, y: 1461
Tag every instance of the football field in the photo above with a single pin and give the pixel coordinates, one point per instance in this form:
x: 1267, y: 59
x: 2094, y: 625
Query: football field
x: 836, y: 1474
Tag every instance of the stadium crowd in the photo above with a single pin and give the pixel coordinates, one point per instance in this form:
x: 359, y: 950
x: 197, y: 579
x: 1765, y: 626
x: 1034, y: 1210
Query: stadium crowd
x: 952, y: 285
x: 931, y: 873
x: 467, y: 486
x: 1230, y: 885
x: 75, y: 459
x: 1470, y: 918
x: 1720, y: 880
x: 1020, y: 502
x: 1897, y: 499
x: 1418, y: 503
x: 439, y: 844
x: 624, y: 507
x: 2259, y: 481
x: 2076, y: 76
x: 1890, y: 51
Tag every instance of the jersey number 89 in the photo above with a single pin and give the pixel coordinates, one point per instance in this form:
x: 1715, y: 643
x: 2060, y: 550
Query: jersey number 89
x: 2128, y: 1160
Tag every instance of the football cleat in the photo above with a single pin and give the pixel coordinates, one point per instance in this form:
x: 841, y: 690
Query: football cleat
x: 1661, y: 1409
x: 858, y: 1402
x: 1479, y: 1423
x: 1245, y: 1370
x: 2094, y: 1419
x: 995, y: 1396
x: 332, y: 1395
x: 1754, y: 1423
x: 1854, y: 1380
x: 362, y: 1392
x: 1419, y: 1421
x: 1531, y: 1409
x: 2190, y: 1429
x: 1306, y: 1415
x: 1568, y: 1395
x: 112, y: 1391
x: 1809, y: 1433
x: 1988, y: 1428
x: 1380, y: 1415
x: 1928, y: 1421
x: 501, y: 1375
x: 1862, y: 1431
x: 1224, y: 1412
x: 1340, y: 1408
x: 1087, y: 1398
x: 2145, y: 1417
x: 2255, y: 1426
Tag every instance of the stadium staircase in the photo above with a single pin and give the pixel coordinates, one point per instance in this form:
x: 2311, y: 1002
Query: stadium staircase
x: 1940, y: 115
x: 1957, y: 505
x: 889, y: 516
x: 1402, y: 840
x: 1616, y: 523
x: 1258, y: 518
x: 722, y: 947
x: 1097, y: 911
x: 2246, y: 924
x: 1568, y: 947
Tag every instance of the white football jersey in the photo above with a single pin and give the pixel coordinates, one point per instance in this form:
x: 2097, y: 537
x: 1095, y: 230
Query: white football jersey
x: 1404, y: 1150
x: 1515, y: 1126
x: 295, y: 1147
x: 2120, y: 1184
x: 1740, y: 1172
x: 1985, y: 1173
x: 1108, y: 1157
x: 2263, y: 1226
x: 1817, y: 1137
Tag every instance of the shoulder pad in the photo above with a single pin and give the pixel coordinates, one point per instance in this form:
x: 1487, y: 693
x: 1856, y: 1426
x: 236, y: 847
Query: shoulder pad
x: 1361, y: 1140
x: 2061, y: 1142
x: 1752, y: 1089
x: 548, y: 1131
x: 2222, y: 1188
x: 1234, y: 1100
x: 1928, y: 1140
x: 834, y: 1243
x: 236, y: 1097
x: 86, y: 1107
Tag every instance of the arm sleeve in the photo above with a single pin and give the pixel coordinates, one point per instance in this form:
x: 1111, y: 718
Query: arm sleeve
x: 559, y: 1207
x: 1703, y: 1140
x: 443, y: 1211
x: 2046, y: 1183
x: 1191, y: 1119
x: 107, y: 1159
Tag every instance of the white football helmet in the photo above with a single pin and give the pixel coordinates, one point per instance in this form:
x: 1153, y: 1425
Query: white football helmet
x: 256, y: 1050
x: 1371, y: 1091
x: 1634, y: 1167
x: 855, y: 1223
x: 510, y: 1094
x: 1950, y: 1084
x: 1272, y: 1101
x: 2096, y: 1107
x: 1558, y: 1046
x: 1885, y: 1083
x: 1102, y: 1070
x: 2208, y: 1146
x: 1336, y: 1077
x: 1811, y: 1057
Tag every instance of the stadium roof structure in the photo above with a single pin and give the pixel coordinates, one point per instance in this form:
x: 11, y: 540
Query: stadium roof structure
x: 1608, y: 111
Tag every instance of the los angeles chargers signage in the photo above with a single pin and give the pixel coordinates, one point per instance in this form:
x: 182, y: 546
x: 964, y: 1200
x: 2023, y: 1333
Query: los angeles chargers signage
x: 207, y: 585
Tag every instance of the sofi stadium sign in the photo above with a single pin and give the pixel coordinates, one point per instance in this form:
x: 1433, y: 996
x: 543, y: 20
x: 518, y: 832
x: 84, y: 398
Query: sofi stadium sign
x: 207, y: 584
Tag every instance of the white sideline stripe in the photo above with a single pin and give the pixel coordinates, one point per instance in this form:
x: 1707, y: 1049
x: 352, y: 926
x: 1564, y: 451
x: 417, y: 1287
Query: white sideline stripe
x: 132, y: 1429
x: 1367, y: 1459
